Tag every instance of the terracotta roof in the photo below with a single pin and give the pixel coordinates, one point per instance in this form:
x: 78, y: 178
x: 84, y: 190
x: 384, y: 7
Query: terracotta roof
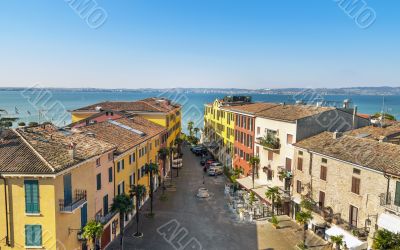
x: 376, y: 155
x: 123, y: 137
x: 45, y: 149
x: 17, y: 157
x: 251, y: 108
x: 146, y: 105
x: 53, y: 144
x: 288, y: 112
x: 366, y: 116
x: 377, y: 133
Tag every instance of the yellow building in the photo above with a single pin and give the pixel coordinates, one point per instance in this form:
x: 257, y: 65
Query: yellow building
x: 219, y: 127
x: 158, y: 110
x: 137, y: 142
x: 49, y: 188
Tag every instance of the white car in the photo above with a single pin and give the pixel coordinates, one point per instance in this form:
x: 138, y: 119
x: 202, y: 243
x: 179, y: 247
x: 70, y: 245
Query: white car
x: 215, y: 170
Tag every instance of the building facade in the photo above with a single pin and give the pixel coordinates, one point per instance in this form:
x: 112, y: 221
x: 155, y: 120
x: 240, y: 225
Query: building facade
x: 47, y: 166
x: 352, y: 184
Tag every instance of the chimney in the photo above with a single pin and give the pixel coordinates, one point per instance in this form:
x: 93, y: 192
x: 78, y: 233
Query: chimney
x: 337, y: 135
x: 72, y: 150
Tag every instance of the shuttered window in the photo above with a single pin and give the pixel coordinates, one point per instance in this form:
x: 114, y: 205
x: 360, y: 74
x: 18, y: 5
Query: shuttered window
x: 98, y: 181
x: 355, y: 185
x: 288, y: 164
x: 33, y: 235
x: 323, y: 173
x: 300, y: 163
x: 31, y: 196
x: 397, y: 194
x: 110, y: 174
x: 270, y: 155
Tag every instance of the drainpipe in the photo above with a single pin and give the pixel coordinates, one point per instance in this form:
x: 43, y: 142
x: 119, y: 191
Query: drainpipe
x: 387, y: 188
x: 6, y: 206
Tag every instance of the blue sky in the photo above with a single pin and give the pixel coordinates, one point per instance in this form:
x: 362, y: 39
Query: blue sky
x: 198, y: 43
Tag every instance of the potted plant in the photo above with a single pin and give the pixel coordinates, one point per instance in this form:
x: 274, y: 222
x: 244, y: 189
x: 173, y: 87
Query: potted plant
x: 275, y: 222
x: 337, y: 241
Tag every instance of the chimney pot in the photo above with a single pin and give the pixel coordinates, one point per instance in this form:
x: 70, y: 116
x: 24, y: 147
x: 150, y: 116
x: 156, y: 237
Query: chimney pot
x: 72, y: 150
x: 337, y: 135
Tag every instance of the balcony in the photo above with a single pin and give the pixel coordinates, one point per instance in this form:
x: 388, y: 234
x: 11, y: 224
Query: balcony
x: 106, y: 218
x: 79, y: 199
x: 388, y: 202
x: 269, y: 142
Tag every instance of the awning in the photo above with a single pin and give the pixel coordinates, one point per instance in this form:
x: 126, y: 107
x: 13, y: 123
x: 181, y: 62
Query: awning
x: 296, y: 199
x: 389, y: 222
x: 260, y: 192
x: 352, y: 242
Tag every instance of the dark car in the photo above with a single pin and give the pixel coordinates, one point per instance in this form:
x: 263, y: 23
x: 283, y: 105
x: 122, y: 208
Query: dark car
x: 200, y: 151
x: 205, y: 158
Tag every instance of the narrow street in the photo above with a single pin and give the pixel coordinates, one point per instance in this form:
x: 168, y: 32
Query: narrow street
x: 186, y: 222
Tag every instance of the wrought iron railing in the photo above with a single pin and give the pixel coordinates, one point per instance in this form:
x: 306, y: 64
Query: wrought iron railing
x: 79, y: 198
x: 388, y: 202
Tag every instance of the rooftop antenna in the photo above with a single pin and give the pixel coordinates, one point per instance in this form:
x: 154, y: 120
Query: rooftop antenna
x: 383, y: 112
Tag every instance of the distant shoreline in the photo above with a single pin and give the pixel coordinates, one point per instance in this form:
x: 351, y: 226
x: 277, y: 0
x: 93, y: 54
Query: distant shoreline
x: 374, y: 91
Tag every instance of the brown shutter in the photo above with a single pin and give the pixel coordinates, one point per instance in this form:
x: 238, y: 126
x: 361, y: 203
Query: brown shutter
x: 300, y: 163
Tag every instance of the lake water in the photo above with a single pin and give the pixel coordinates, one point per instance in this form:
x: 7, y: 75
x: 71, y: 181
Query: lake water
x: 52, y: 105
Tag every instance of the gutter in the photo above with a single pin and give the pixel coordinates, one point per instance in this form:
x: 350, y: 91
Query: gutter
x: 6, y: 209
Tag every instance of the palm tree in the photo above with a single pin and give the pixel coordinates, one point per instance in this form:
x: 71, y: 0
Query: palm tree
x: 190, y: 127
x: 273, y: 194
x: 139, y: 191
x: 92, y: 231
x: 337, y: 240
x: 254, y: 161
x: 152, y: 169
x: 163, y: 153
x: 303, y: 218
x: 121, y: 204
x: 196, y: 130
x: 178, y: 143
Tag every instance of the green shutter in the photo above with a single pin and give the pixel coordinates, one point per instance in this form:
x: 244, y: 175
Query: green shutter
x: 110, y: 175
x: 31, y: 196
x: 98, y: 181
x: 397, y: 195
x: 33, y: 235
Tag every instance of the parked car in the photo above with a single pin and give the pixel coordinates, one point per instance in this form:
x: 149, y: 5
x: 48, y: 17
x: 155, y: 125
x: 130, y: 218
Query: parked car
x: 216, y: 170
x: 200, y: 151
x: 209, y: 162
x: 204, y: 159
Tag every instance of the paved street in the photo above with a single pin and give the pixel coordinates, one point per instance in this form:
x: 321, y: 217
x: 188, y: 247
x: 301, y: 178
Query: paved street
x: 204, y: 224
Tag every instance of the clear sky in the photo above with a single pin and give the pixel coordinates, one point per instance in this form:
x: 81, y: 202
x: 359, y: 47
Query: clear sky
x: 198, y: 43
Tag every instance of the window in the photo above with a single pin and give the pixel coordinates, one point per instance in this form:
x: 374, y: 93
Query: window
x: 123, y: 164
x: 288, y: 165
x: 121, y: 188
x: 31, y: 196
x: 323, y: 173
x: 247, y: 157
x: 355, y: 185
x: 257, y: 150
x: 321, y: 199
x: 241, y: 153
x: 132, y: 179
x: 300, y: 163
x: 300, y: 152
x: 289, y: 139
x: 356, y: 171
x: 132, y: 158
x: 110, y: 174
x: 397, y: 194
x: 251, y: 141
x: 298, y: 187
x: 353, y: 216
x: 33, y: 235
x: 324, y: 160
x: 105, y: 204
x: 98, y: 181
x: 258, y: 130
x: 269, y: 174
x: 270, y: 155
x: 98, y: 162
x: 118, y: 166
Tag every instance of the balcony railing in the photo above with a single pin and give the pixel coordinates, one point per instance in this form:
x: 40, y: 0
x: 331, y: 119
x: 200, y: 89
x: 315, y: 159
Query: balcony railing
x: 106, y: 218
x: 79, y: 198
x: 269, y: 143
x: 388, y: 202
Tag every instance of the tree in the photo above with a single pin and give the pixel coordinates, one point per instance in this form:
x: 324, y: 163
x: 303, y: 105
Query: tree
x: 196, y: 130
x: 385, y: 239
x: 272, y: 194
x: 139, y: 191
x: 337, y: 240
x: 303, y: 218
x: 152, y: 169
x: 163, y: 153
x: 121, y: 204
x: 254, y: 161
x: 6, y: 122
x: 385, y: 116
x: 92, y: 231
x: 252, y: 198
x: 178, y: 143
x: 190, y: 127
